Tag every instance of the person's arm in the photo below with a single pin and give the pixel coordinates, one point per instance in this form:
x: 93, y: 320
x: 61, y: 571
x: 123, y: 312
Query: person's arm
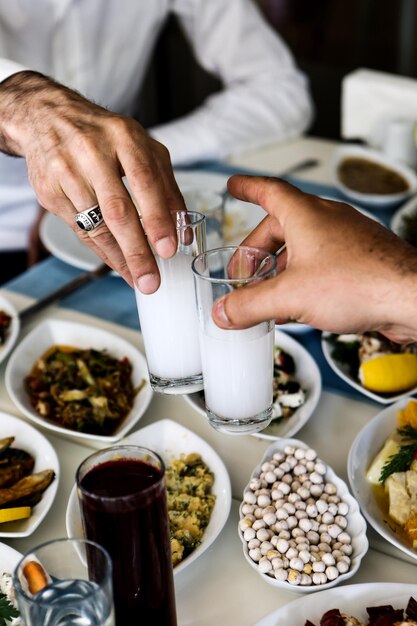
x: 341, y: 272
x: 265, y: 97
x: 76, y: 154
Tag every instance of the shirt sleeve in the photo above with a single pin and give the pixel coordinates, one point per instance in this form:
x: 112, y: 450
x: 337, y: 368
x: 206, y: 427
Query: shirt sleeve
x: 7, y: 68
x: 265, y: 97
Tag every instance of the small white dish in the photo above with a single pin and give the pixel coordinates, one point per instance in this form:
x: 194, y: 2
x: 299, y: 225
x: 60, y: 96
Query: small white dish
x: 356, y: 525
x: 13, y: 330
x: 398, y: 222
x: 170, y: 440
x: 58, y: 332
x: 376, y: 201
x: 342, y: 371
x: 32, y: 441
x: 349, y: 599
x: 307, y: 374
x: 364, y: 449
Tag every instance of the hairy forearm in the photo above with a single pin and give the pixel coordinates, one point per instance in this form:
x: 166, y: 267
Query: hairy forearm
x: 27, y: 99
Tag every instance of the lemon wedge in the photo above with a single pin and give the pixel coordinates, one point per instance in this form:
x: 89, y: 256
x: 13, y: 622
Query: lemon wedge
x: 389, y: 373
x: 15, y: 513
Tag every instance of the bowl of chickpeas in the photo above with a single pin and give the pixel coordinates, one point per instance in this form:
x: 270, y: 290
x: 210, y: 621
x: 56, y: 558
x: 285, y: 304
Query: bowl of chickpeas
x: 300, y: 527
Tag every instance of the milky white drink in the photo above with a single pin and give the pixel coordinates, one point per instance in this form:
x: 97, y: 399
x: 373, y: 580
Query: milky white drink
x: 169, y: 322
x: 238, y: 371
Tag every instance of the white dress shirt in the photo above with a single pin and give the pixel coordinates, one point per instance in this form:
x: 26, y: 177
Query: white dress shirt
x: 102, y: 48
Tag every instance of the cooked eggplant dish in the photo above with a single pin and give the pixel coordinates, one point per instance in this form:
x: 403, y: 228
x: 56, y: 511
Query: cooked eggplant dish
x: 83, y: 390
x: 18, y: 486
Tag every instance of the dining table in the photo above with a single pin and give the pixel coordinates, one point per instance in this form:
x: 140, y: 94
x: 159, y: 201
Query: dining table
x: 219, y: 588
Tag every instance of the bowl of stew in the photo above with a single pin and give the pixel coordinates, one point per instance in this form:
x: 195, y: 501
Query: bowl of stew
x: 371, y: 178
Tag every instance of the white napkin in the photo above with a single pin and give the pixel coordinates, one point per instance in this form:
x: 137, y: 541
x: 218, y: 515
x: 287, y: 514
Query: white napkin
x: 370, y: 100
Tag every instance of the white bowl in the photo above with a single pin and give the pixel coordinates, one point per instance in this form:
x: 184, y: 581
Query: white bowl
x: 32, y: 441
x: 377, y: 201
x: 356, y: 525
x: 170, y: 440
x: 58, y: 332
x: 349, y: 599
x: 342, y: 371
x: 365, y: 447
x: 14, y: 328
x: 308, y: 375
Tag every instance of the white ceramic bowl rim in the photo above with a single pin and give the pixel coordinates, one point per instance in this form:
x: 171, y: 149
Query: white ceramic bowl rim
x: 356, y: 524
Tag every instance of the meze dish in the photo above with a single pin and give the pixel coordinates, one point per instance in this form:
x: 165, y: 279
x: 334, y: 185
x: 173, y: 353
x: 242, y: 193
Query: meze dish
x: 79, y: 381
x: 199, y: 492
x: 20, y: 488
x: 300, y: 527
x: 371, y: 178
x: 383, y: 615
x: 377, y: 367
x: 29, y: 477
x: 85, y: 390
x: 9, y: 327
x: 393, y: 475
x: 5, y: 322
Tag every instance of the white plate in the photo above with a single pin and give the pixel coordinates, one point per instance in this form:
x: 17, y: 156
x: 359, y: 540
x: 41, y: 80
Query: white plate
x: 58, y: 332
x: 356, y: 525
x: 14, y: 328
x: 397, y: 224
x: 382, y: 201
x: 170, y: 440
x: 351, y: 599
x: 306, y: 372
x: 240, y: 218
x: 365, y: 447
x: 9, y: 558
x: 65, y: 245
x: 341, y: 370
x: 32, y: 441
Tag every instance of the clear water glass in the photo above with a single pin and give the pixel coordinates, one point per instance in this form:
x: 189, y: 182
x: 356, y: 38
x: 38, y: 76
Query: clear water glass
x: 77, y: 587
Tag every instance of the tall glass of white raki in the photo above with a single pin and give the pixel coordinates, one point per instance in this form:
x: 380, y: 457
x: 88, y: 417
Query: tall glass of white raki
x: 237, y: 364
x: 168, y: 317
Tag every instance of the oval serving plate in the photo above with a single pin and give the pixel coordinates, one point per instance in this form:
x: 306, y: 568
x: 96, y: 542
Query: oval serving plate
x: 341, y: 370
x: 356, y: 525
x: 350, y: 599
x: 52, y: 332
x: 365, y: 447
x: 32, y: 441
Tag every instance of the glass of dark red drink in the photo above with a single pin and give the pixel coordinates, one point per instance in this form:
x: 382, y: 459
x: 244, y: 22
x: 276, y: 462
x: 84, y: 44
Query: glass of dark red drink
x: 122, y: 495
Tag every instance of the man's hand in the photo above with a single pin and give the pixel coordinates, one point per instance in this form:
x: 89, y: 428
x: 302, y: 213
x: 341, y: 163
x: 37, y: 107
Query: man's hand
x: 341, y: 271
x: 77, y: 153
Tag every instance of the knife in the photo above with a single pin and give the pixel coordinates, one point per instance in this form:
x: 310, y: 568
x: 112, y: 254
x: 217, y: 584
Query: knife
x: 65, y: 290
